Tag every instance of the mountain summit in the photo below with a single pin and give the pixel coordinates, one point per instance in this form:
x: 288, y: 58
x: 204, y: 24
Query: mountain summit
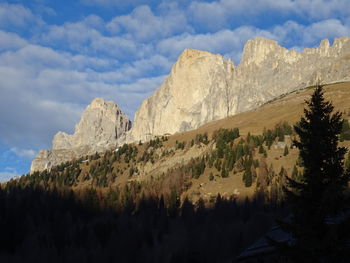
x: 101, y: 124
x: 204, y: 87
x: 195, y: 92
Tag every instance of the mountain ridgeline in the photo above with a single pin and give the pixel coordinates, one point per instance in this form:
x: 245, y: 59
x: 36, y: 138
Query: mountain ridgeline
x: 197, y: 177
x: 197, y: 196
x: 238, y: 156
x: 203, y: 87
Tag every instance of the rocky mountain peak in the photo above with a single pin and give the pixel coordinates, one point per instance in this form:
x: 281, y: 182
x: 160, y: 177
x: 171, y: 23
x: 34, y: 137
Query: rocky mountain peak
x: 101, y: 124
x: 340, y: 42
x: 203, y: 87
x: 193, y: 58
x: 100, y: 103
x: 189, y: 53
x: 198, y: 84
x: 256, y: 50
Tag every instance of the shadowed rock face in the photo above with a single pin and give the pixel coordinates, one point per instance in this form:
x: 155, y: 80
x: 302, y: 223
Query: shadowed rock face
x: 203, y: 87
x: 101, y: 124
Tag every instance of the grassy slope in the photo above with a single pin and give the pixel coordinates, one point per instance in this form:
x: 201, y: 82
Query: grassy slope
x: 288, y: 108
x: 167, y: 157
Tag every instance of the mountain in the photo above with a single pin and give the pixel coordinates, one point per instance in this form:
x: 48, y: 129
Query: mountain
x: 173, y: 195
x: 203, y: 87
x: 207, y: 161
x: 101, y: 124
x: 196, y: 91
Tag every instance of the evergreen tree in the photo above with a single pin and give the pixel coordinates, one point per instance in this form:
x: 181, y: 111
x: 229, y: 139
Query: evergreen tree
x: 261, y: 149
x: 248, y: 176
x: 319, y: 195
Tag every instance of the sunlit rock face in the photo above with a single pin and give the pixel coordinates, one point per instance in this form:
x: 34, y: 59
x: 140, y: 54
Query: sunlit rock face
x: 195, y: 92
x: 200, y: 88
x: 101, y: 124
x: 203, y: 87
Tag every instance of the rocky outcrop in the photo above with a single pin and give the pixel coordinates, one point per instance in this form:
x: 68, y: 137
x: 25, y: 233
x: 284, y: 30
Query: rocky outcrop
x: 194, y: 93
x: 203, y: 87
x: 200, y: 88
x: 101, y: 124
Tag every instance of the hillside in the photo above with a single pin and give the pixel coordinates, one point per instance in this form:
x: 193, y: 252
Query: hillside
x: 202, y: 87
x: 193, y: 163
x: 199, y: 196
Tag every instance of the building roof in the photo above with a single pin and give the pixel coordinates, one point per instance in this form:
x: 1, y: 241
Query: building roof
x: 263, y: 246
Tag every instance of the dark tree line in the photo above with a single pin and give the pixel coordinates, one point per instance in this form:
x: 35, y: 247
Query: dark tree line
x: 57, y: 226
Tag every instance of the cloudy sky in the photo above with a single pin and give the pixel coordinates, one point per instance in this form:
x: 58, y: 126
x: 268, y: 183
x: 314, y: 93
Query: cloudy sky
x: 56, y: 56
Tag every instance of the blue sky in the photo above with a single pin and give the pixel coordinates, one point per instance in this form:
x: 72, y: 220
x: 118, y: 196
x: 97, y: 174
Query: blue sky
x: 56, y: 56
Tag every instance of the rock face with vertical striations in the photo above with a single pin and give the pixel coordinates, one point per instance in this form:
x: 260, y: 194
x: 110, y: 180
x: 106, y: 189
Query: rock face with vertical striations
x: 101, y: 124
x: 203, y: 87
x: 195, y: 92
x: 200, y: 88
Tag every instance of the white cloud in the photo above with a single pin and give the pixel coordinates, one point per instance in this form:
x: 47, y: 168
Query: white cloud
x: 222, y: 42
x: 86, y: 37
x: 15, y: 15
x: 291, y: 33
x: 117, y: 3
x: 322, y: 9
x: 8, y: 173
x: 93, y: 21
x: 141, y: 86
x: 217, y: 14
x: 6, y: 176
x: 10, y: 41
x: 324, y: 29
x: 74, y: 35
x: 117, y: 47
x: 44, y: 91
x: 26, y: 153
x: 143, y: 25
x: 47, y: 80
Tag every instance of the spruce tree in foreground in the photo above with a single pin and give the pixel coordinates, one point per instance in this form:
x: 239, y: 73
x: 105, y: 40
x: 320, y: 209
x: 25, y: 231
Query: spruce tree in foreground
x: 318, y: 199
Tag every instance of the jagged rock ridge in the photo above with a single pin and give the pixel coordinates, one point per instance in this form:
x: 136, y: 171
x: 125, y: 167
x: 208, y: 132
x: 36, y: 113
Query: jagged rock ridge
x: 101, y: 124
x: 203, y: 87
x: 195, y: 92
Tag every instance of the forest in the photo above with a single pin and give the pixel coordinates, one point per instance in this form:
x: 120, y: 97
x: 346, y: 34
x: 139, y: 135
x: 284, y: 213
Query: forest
x: 77, y: 213
x: 56, y: 226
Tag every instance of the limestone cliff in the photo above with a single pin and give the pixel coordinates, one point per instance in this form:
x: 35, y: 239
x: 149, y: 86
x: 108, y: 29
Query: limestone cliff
x: 203, y: 87
x: 200, y: 88
x: 101, y: 124
x: 194, y: 93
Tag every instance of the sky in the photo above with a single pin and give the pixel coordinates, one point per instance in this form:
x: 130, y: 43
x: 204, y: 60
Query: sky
x: 56, y: 56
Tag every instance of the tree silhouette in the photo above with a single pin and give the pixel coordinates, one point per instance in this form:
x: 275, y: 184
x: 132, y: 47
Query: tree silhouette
x: 318, y: 197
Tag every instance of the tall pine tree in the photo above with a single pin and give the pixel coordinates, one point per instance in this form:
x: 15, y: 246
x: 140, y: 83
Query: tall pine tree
x: 318, y: 198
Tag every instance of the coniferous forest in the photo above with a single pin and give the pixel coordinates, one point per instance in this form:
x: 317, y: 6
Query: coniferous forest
x: 76, y: 212
x: 56, y: 226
